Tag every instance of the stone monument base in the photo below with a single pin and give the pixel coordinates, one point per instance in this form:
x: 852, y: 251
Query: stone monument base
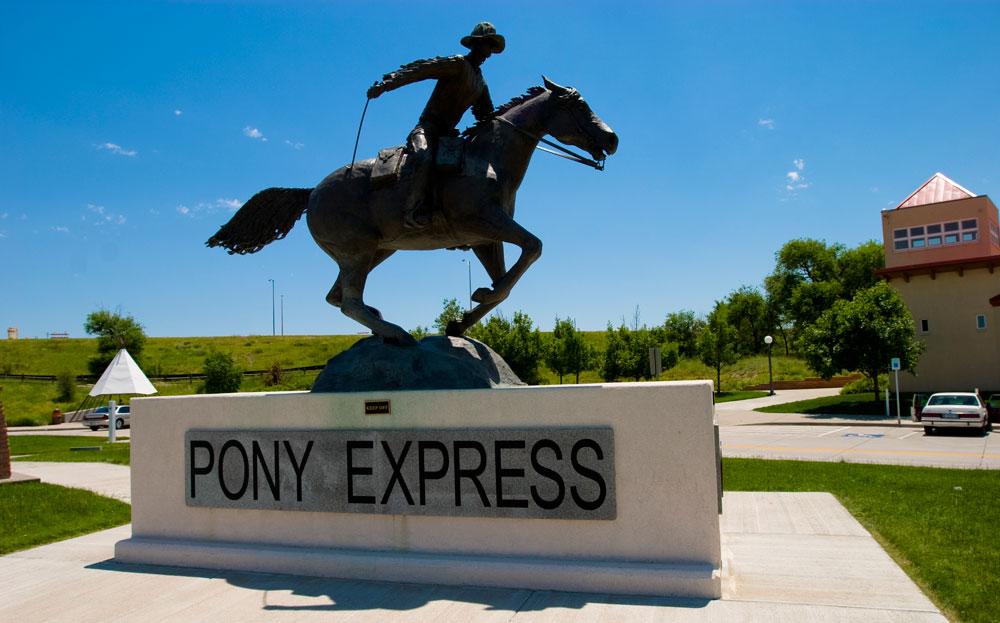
x: 598, y: 488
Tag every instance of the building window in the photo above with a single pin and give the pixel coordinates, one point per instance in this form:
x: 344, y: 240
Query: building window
x: 923, y: 326
x: 981, y: 322
x: 995, y: 234
x: 939, y: 234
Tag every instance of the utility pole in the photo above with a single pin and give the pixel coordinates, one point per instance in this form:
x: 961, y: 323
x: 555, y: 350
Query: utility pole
x: 469, y: 265
x: 273, y: 332
x: 282, y: 314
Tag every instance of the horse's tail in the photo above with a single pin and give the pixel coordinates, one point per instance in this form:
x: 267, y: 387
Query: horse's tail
x: 268, y: 216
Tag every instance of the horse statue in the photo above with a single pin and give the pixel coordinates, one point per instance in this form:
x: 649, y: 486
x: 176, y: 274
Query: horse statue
x: 360, y: 225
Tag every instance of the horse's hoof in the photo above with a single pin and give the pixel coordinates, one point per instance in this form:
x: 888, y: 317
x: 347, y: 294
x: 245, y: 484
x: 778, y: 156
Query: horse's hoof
x: 484, y: 295
x: 454, y: 329
x: 405, y: 340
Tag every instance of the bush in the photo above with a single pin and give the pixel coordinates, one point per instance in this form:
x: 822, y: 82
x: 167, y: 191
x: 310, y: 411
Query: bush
x: 274, y: 374
x: 864, y: 385
x: 66, y: 384
x: 221, y: 374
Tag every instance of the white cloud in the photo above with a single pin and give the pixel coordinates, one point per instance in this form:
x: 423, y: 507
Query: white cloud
x: 766, y: 123
x: 3, y: 216
x: 254, y: 133
x: 295, y: 145
x: 795, y: 180
x: 232, y: 204
x: 183, y: 210
x: 104, y: 216
x: 2, y: 235
x: 61, y: 229
x: 178, y: 112
x: 117, y: 149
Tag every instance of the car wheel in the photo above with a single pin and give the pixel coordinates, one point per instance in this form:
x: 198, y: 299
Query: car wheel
x: 928, y: 430
x: 94, y: 428
x: 119, y: 424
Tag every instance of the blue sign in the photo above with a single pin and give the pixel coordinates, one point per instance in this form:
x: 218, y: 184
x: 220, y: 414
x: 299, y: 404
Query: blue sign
x: 894, y: 363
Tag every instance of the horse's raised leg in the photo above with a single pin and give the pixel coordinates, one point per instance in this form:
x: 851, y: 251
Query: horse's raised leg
x: 353, y: 274
x: 491, y: 257
x: 531, y: 250
x: 336, y: 294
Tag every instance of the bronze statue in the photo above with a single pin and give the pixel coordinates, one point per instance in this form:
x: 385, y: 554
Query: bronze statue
x: 360, y: 224
x: 460, y: 84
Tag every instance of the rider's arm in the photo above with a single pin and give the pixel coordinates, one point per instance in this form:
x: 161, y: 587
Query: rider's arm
x: 437, y: 68
x: 482, y: 108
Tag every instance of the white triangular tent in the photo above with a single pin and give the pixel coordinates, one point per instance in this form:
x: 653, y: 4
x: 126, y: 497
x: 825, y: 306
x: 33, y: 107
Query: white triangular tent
x: 122, y: 376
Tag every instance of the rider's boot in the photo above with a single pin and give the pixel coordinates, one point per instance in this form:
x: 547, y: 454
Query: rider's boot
x: 417, y: 212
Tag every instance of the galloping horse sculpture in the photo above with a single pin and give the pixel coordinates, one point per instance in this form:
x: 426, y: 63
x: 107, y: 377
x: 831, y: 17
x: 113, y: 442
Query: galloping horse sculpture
x: 359, y: 226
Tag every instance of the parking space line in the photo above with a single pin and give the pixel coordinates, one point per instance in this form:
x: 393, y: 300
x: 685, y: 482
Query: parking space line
x: 836, y: 430
x: 916, y: 432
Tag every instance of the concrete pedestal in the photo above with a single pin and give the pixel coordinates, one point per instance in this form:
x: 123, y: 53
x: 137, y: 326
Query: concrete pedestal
x: 660, y: 537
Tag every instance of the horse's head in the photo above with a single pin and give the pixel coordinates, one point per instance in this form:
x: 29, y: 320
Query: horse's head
x: 571, y: 121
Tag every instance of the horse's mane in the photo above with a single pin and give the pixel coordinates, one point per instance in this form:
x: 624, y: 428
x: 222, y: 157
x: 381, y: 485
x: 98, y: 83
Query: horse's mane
x: 531, y: 93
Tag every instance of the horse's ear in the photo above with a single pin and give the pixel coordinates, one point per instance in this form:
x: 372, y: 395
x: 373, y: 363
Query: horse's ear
x: 552, y: 86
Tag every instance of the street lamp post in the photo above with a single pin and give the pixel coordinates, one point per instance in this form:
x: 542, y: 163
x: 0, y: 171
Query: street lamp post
x: 282, y: 314
x: 469, y: 265
x: 770, y: 376
x: 273, y: 332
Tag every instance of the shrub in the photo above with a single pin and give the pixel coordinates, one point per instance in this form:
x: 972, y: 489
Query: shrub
x: 221, y: 374
x: 864, y: 385
x: 66, y: 384
x: 274, y: 374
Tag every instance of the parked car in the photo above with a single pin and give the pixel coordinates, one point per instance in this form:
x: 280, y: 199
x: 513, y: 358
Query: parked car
x: 99, y: 417
x: 954, y: 410
x: 993, y: 407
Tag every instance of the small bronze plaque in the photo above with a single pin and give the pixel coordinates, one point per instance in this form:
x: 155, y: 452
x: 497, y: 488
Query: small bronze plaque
x: 378, y: 407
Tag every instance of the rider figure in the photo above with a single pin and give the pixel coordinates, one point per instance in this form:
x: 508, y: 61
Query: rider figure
x: 460, y: 84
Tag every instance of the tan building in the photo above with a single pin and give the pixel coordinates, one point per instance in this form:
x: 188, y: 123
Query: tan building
x: 942, y: 254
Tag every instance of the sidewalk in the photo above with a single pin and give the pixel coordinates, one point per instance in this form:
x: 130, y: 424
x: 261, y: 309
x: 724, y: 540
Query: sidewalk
x: 69, y: 428
x: 741, y: 412
x: 786, y: 557
x: 113, y: 481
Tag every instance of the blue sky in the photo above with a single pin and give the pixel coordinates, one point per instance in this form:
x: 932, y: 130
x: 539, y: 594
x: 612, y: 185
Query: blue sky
x: 128, y: 131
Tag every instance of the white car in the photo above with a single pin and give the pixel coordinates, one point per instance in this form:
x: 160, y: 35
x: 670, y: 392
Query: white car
x: 954, y: 410
x: 99, y: 417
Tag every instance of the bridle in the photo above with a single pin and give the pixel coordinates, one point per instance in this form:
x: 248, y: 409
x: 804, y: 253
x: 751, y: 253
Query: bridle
x: 566, y: 153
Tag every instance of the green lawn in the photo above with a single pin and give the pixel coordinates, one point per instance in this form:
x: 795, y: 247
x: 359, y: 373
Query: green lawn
x: 733, y: 396
x: 940, y: 525
x: 59, y: 448
x: 35, y: 513
x: 851, y: 404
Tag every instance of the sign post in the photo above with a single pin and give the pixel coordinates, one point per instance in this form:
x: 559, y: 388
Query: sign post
x: 894, y: 364
x: 112, y: 430
x: 655, y: 362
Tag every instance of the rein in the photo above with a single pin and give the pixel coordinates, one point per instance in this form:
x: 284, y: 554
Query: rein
x: 566, y: 153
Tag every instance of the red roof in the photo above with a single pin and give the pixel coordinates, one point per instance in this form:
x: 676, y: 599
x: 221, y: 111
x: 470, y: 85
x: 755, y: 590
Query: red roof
x: 935, y: 190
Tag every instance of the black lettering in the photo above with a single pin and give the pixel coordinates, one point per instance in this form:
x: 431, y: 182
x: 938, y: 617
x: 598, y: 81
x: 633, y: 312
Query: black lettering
x: 360, y: 471
x: 547, y: 473
x: 586, y: 472
x: 472, y: 474
x: 298, y: 467
x: 232, y: 443
x: 257, y: 457
x: 501, y: 473
x: 200, y: 471
x: 396, y: 472
x: 425, y: 474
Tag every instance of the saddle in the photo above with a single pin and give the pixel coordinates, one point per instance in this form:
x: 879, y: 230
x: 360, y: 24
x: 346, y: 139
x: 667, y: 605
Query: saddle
x: 448, y: 159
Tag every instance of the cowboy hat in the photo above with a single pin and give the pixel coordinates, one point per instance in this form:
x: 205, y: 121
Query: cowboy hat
x: 485, y: 30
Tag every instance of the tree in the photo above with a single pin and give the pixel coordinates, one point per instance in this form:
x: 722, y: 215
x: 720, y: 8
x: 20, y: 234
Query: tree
x: 114, y: 332
x: 716, y: 343
x: 517, y: 341
x: 567, y: 352
x: 748, y: 316
x: 863, y: 334
x: 221, y: 374
x: 452, y: 311
x: 627, y: 352
x: 682, y: 328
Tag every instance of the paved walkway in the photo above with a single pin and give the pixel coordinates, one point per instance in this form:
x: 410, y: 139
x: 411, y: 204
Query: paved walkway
x: 787, y: 557
x: 113, y: 481
x: 69, y: 428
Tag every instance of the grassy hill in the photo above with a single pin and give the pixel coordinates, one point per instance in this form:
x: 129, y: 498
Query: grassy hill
x: 32, y: 402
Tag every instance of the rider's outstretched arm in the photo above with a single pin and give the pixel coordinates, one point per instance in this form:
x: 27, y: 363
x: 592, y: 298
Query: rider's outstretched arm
x: 424, y: 69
